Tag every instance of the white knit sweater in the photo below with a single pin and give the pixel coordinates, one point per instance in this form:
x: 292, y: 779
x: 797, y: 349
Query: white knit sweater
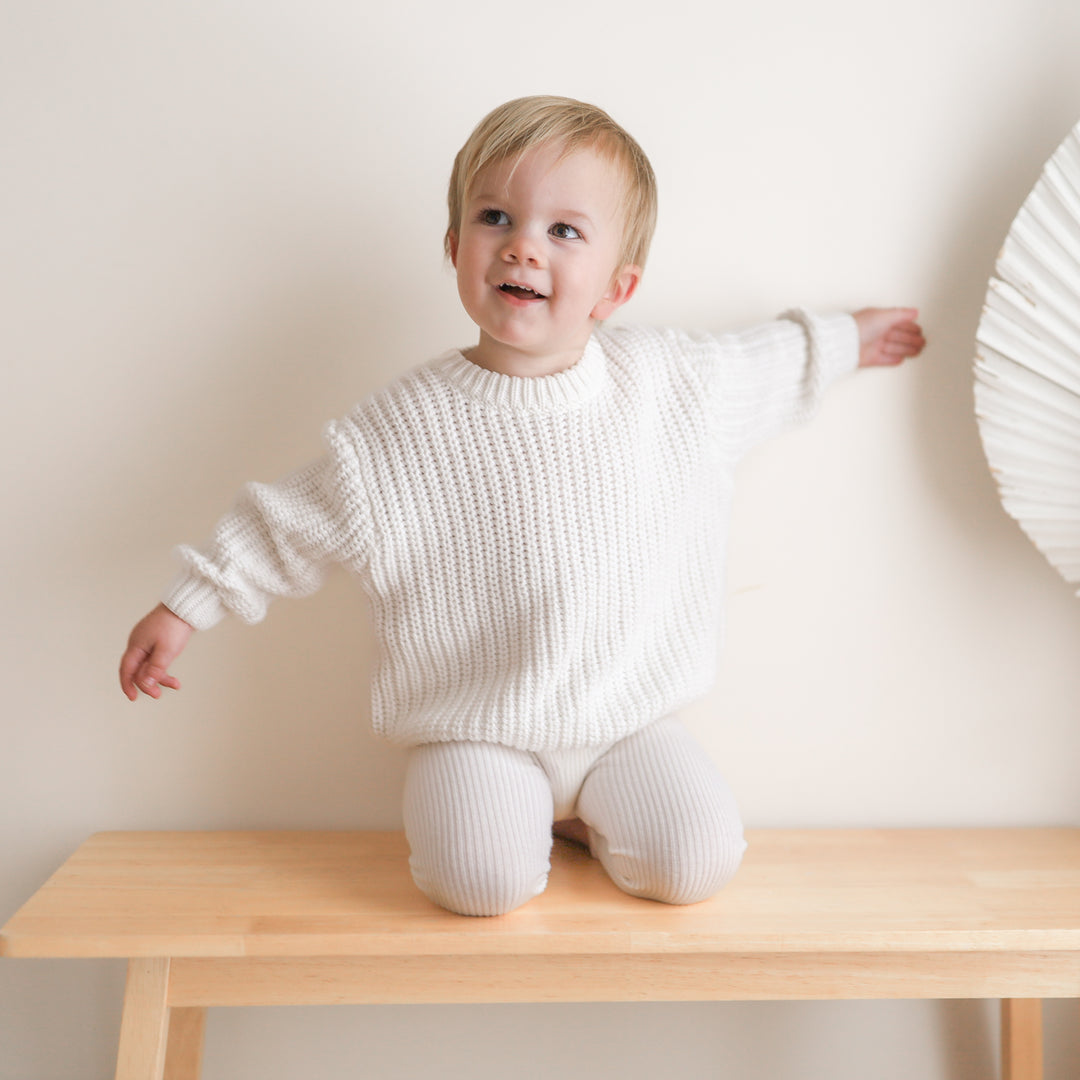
x: 544, y: 556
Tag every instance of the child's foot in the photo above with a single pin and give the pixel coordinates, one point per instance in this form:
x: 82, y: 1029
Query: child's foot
x: 573, y: 829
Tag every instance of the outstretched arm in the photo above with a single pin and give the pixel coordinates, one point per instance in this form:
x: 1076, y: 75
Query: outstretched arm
x: 157, y: 640
x: 888, y: 336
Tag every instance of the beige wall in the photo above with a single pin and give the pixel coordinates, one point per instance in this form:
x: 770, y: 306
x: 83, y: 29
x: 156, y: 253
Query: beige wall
x: 220, y: 224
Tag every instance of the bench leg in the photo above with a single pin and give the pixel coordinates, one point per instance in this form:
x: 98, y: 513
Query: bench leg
x: 1021, y: 1039
x: 145, y: 1025
x: 183, y: 1059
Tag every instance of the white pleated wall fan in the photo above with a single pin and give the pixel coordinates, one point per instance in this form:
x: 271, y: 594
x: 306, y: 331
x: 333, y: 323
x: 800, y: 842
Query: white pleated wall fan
x: 1027, y: 374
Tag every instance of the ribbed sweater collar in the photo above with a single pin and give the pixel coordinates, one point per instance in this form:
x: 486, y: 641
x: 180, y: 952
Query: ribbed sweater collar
x: 544, y: 393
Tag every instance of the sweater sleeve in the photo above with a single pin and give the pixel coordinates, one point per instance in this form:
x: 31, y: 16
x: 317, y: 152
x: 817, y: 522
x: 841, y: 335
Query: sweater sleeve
x: 768, y: 378
x: 277, y: 540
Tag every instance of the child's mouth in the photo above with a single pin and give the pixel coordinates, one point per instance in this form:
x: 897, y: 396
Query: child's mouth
x: 521, y: 291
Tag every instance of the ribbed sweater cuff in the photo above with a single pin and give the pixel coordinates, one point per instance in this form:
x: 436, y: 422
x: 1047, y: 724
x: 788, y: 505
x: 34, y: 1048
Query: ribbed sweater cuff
x: 839, y: 337
x: 194, y: 600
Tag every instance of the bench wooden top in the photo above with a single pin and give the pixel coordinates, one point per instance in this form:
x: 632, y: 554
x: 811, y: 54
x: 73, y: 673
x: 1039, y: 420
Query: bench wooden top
x: 349, y: 894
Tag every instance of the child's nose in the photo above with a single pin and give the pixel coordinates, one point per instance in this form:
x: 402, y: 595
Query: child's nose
x: 522, y: 247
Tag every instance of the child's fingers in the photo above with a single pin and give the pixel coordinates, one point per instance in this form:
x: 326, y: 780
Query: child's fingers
x: 153, y: 676
x: 905, y: 329
x: 148, y: 673
x: 149, y: 686
x: 903, y: 344
x: 906, y: 337
x: 130, y: 663
x: 148, y: 677
x: 888, y: 336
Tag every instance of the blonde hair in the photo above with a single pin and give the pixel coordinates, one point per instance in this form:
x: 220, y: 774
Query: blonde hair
x: 519, y: 125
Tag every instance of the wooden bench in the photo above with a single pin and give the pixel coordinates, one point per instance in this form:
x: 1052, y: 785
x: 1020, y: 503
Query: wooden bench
x: 276, y: 918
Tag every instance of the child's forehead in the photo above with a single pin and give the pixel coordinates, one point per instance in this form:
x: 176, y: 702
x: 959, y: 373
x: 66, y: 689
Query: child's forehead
x: 585, y: 169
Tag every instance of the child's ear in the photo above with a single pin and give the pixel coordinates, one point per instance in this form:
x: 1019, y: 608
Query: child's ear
x: 623, y: 286
x: 451, y: 246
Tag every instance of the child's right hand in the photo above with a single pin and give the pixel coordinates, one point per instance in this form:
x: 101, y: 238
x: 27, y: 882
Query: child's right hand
x: 155, y: 643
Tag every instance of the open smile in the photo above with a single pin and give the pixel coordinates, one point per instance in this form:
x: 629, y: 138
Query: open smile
x: 520, y: 292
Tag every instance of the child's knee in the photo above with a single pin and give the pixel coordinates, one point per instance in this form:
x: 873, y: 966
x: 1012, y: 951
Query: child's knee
x: 695, y: 873
x: 478, y: 822
x: 481, y: 882
x: 686, y: 871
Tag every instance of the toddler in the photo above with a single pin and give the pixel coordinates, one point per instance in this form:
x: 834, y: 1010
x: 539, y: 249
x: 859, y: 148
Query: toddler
x: 540, y: 523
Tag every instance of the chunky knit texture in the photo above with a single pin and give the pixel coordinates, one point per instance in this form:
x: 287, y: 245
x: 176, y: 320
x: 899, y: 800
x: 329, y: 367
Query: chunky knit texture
x: 544, y: 556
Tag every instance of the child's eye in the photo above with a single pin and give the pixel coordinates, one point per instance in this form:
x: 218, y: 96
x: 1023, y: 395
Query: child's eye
x: 561, y: 231
x: 493, y: 217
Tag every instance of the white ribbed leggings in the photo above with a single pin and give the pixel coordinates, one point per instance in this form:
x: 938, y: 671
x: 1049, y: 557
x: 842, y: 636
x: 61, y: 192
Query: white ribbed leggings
x: 478, y: 816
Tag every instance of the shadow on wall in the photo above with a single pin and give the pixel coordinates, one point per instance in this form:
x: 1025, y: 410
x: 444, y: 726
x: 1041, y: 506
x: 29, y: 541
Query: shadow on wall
x: 969, y: 1040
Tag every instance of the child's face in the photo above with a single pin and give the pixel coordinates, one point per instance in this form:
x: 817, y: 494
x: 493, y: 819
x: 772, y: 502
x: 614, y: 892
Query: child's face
x: 537, y: 258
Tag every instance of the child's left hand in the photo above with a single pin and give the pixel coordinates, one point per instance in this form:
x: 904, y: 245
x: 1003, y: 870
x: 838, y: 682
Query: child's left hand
x: 888, y: 335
